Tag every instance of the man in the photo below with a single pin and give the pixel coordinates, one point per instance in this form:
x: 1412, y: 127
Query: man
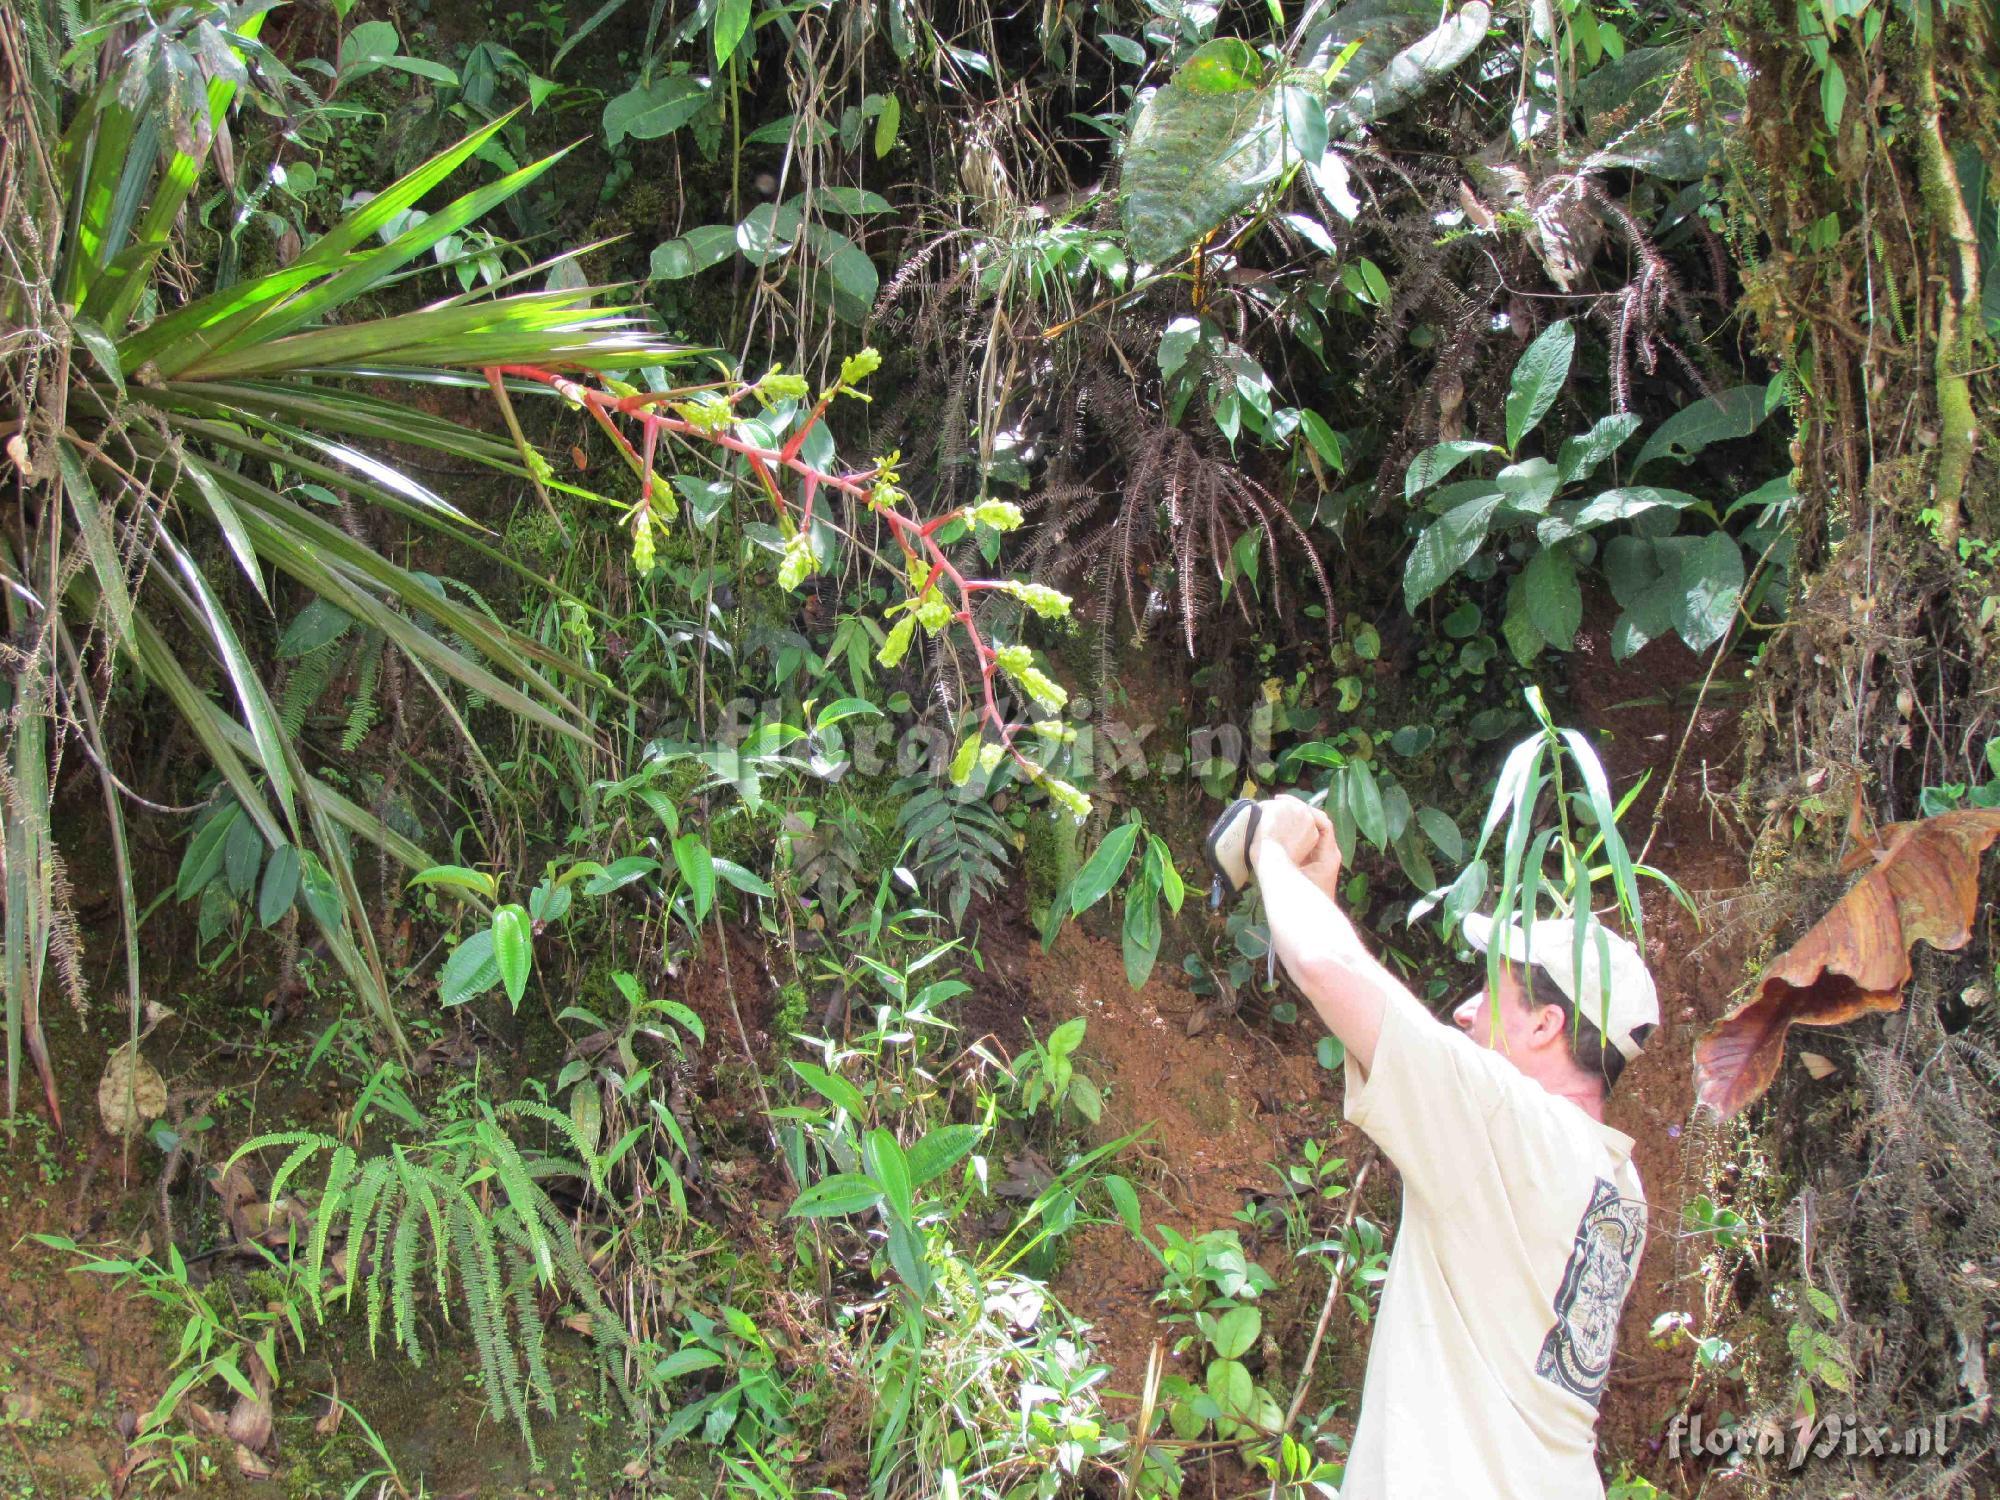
x: 1523, y: 1216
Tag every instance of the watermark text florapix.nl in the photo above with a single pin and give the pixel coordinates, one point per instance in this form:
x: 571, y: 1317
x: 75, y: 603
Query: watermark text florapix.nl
x: 1840, y: 1433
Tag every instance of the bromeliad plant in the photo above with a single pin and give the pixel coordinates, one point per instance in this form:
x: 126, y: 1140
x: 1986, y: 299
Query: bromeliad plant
x: 149, y: 435
x: 775, y: 431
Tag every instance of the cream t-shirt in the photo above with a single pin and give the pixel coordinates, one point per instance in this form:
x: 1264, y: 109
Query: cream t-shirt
x: 1523, y: 1219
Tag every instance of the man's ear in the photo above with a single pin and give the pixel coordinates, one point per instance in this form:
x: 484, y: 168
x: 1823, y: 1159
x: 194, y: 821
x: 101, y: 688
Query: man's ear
x: 1549, y: 1024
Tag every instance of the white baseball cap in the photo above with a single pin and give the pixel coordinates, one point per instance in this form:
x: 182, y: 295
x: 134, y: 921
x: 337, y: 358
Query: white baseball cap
x: 1626, y: 1009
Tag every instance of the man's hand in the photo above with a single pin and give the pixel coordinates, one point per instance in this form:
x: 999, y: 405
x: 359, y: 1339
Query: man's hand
x: 1322, y: 866
x: 1287, y: 823
x: 1306, y: 835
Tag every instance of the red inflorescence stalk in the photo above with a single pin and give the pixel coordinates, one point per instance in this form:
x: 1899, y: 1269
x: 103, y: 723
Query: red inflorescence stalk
x: 917, y: 539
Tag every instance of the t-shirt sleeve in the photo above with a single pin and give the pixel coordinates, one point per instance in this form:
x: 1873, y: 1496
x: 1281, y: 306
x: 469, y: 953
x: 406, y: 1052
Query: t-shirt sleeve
x: 1429, y: 1100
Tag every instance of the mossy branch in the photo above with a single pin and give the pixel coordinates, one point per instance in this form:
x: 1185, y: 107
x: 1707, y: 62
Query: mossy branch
x: 1958, y: 301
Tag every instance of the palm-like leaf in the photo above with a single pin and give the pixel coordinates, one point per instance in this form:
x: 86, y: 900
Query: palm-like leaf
x: 161, y: 437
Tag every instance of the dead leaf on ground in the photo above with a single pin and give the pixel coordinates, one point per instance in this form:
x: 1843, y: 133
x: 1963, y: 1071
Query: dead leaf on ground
x: 251, y: 1216
x: 1923, y: 887
x: 329, y: 1420
x: 1027, y: 1175
x: 250, y: 1423
x: 131, y: 1092
x: 251, y: 1465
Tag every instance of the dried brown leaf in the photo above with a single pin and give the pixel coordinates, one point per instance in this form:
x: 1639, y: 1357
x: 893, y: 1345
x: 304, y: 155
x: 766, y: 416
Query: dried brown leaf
x: 131, y: 1091
x: 1923, y: 887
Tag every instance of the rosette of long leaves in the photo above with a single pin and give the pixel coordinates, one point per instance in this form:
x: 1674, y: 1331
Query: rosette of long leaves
x: 161, y: 448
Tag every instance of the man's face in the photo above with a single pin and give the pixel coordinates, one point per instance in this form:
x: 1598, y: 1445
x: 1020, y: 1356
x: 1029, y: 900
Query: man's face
x: 1514, y: 1032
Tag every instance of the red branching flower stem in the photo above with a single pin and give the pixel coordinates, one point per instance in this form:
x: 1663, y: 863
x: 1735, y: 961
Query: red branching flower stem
x: 917, y: 539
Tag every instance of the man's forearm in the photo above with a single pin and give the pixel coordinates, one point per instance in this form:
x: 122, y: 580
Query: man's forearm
x: 1325, y: 957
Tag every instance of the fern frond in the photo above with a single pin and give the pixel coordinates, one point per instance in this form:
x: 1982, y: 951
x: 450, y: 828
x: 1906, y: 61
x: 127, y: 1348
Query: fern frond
x: 304, y: 683
x: 367, y: 706
x: 407, y: 1250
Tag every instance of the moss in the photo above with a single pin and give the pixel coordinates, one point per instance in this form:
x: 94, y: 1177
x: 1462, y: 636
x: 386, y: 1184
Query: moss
x: 790, y: 1014
x: 1051, y: 861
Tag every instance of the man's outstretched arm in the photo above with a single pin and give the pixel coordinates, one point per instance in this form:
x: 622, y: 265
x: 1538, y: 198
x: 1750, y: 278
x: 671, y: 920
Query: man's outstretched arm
x: 1313, y: 938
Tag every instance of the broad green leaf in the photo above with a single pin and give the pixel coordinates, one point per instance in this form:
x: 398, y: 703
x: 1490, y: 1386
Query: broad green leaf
x: 513, y: 950
x: 1365, y: 279
x: 202, y: 860
x: 1305, y: 122
x: 697, y: 867
x: 1231, y: 1388
x: 850, y: 200
x: 1193, y: 159
x: 1325, y: 441
x: 1141, y: 932
x: 844, y: 708
x: 1734, y: 413
x: 1832, y: 92
x: 842, y: 1193
x: 1104, y: 867
x: 659, y: 108
x: 458, y: 877
x: 1623, y: 504
x: 1364, y: 801
x: 1067, y: 1037
x: 1580, y: 455
x: 1160, y: 865
x: 471, y: 970
x: 1443, y: 832
x: 890, y: 1168
x: 939, y: 1150
x: 1638, y: 112
x: 1235, y: 1332
x: 1225, y: 65
x: 320, y: 891
x: 855, y: 279
x: 280, y: 885
x: 1517, y: 627
x: 1177, y: 343
x: 619, y: 874
x: 747, y: 881
x: 686, y: 1361
x: 242, y: 857
x: 1446, y: 545
x: 768, y: 232
x: 1528, y: 485
x: 1126, y: 1200
x: 1538, y: 379
x: 1710, y: 583
x: 1380, y: 55
x: 886, y: 125
x: 1434, y: 463
x: 697, y: 250
x: 1553, y: 596
x: 732, y: 20
x: 831, y: 1087
x: 313, y: 627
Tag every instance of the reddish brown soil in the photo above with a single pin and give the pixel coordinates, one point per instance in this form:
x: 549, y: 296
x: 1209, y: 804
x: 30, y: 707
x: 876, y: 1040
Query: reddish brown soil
x: 1217, y: 1108
x: 74, y: 1356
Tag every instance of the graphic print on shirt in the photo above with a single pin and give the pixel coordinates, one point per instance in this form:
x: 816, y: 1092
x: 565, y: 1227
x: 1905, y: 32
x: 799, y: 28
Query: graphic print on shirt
x: 1576, y: 1354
